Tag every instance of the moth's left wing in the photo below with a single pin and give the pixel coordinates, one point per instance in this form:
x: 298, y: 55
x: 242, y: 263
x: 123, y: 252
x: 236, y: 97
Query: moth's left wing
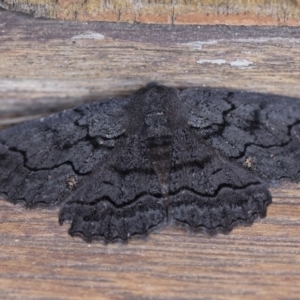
x: 42, y: 161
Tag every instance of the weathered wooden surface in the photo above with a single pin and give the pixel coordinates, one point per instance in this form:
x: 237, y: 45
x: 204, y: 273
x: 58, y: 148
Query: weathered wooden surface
x: 45, y: 64
x: 40, y: 261
x: 231, y: 12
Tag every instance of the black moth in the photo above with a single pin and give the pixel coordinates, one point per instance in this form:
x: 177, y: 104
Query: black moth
x: 201, y: 157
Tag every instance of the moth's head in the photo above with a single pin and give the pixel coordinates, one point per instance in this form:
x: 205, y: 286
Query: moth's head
x: 156, y: 104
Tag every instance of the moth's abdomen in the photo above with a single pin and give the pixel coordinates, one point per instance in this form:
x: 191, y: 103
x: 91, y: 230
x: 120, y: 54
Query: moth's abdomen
x: 159, y: 148
x: 160, y: 153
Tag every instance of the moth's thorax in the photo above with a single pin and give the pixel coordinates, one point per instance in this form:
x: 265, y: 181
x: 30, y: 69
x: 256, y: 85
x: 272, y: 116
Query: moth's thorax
x: 157, y: 124
x: 156, y: 118
x: 159, y: 109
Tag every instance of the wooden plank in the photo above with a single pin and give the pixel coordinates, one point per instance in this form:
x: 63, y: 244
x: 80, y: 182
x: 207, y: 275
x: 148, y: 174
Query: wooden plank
x: 39, y: 260
x: 45, y: 64
x: 230, y: 12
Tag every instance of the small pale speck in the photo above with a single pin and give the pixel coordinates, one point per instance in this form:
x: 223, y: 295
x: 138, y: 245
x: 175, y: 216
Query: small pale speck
x: 241, y: 63
x: 92, y: 35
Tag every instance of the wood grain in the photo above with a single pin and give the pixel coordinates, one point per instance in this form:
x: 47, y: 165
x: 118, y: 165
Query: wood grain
x: 230, y: 12
x: 44, y: 67
x: 39, y: 260
x: 48, y: 65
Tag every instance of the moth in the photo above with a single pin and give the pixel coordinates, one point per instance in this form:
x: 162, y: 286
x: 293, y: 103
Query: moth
x: 199, y: 157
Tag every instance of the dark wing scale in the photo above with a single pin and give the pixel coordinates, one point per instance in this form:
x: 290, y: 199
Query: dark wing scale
x: 120, y: 199
x: 260, y: 131
x: 102, y: 219
x: 208, y: 191
x: 34, y: 187
x: 42, y: 161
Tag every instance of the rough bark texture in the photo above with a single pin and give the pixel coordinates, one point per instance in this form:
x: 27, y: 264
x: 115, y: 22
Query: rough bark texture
x: 48, y: 65
x: 232, y: 12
